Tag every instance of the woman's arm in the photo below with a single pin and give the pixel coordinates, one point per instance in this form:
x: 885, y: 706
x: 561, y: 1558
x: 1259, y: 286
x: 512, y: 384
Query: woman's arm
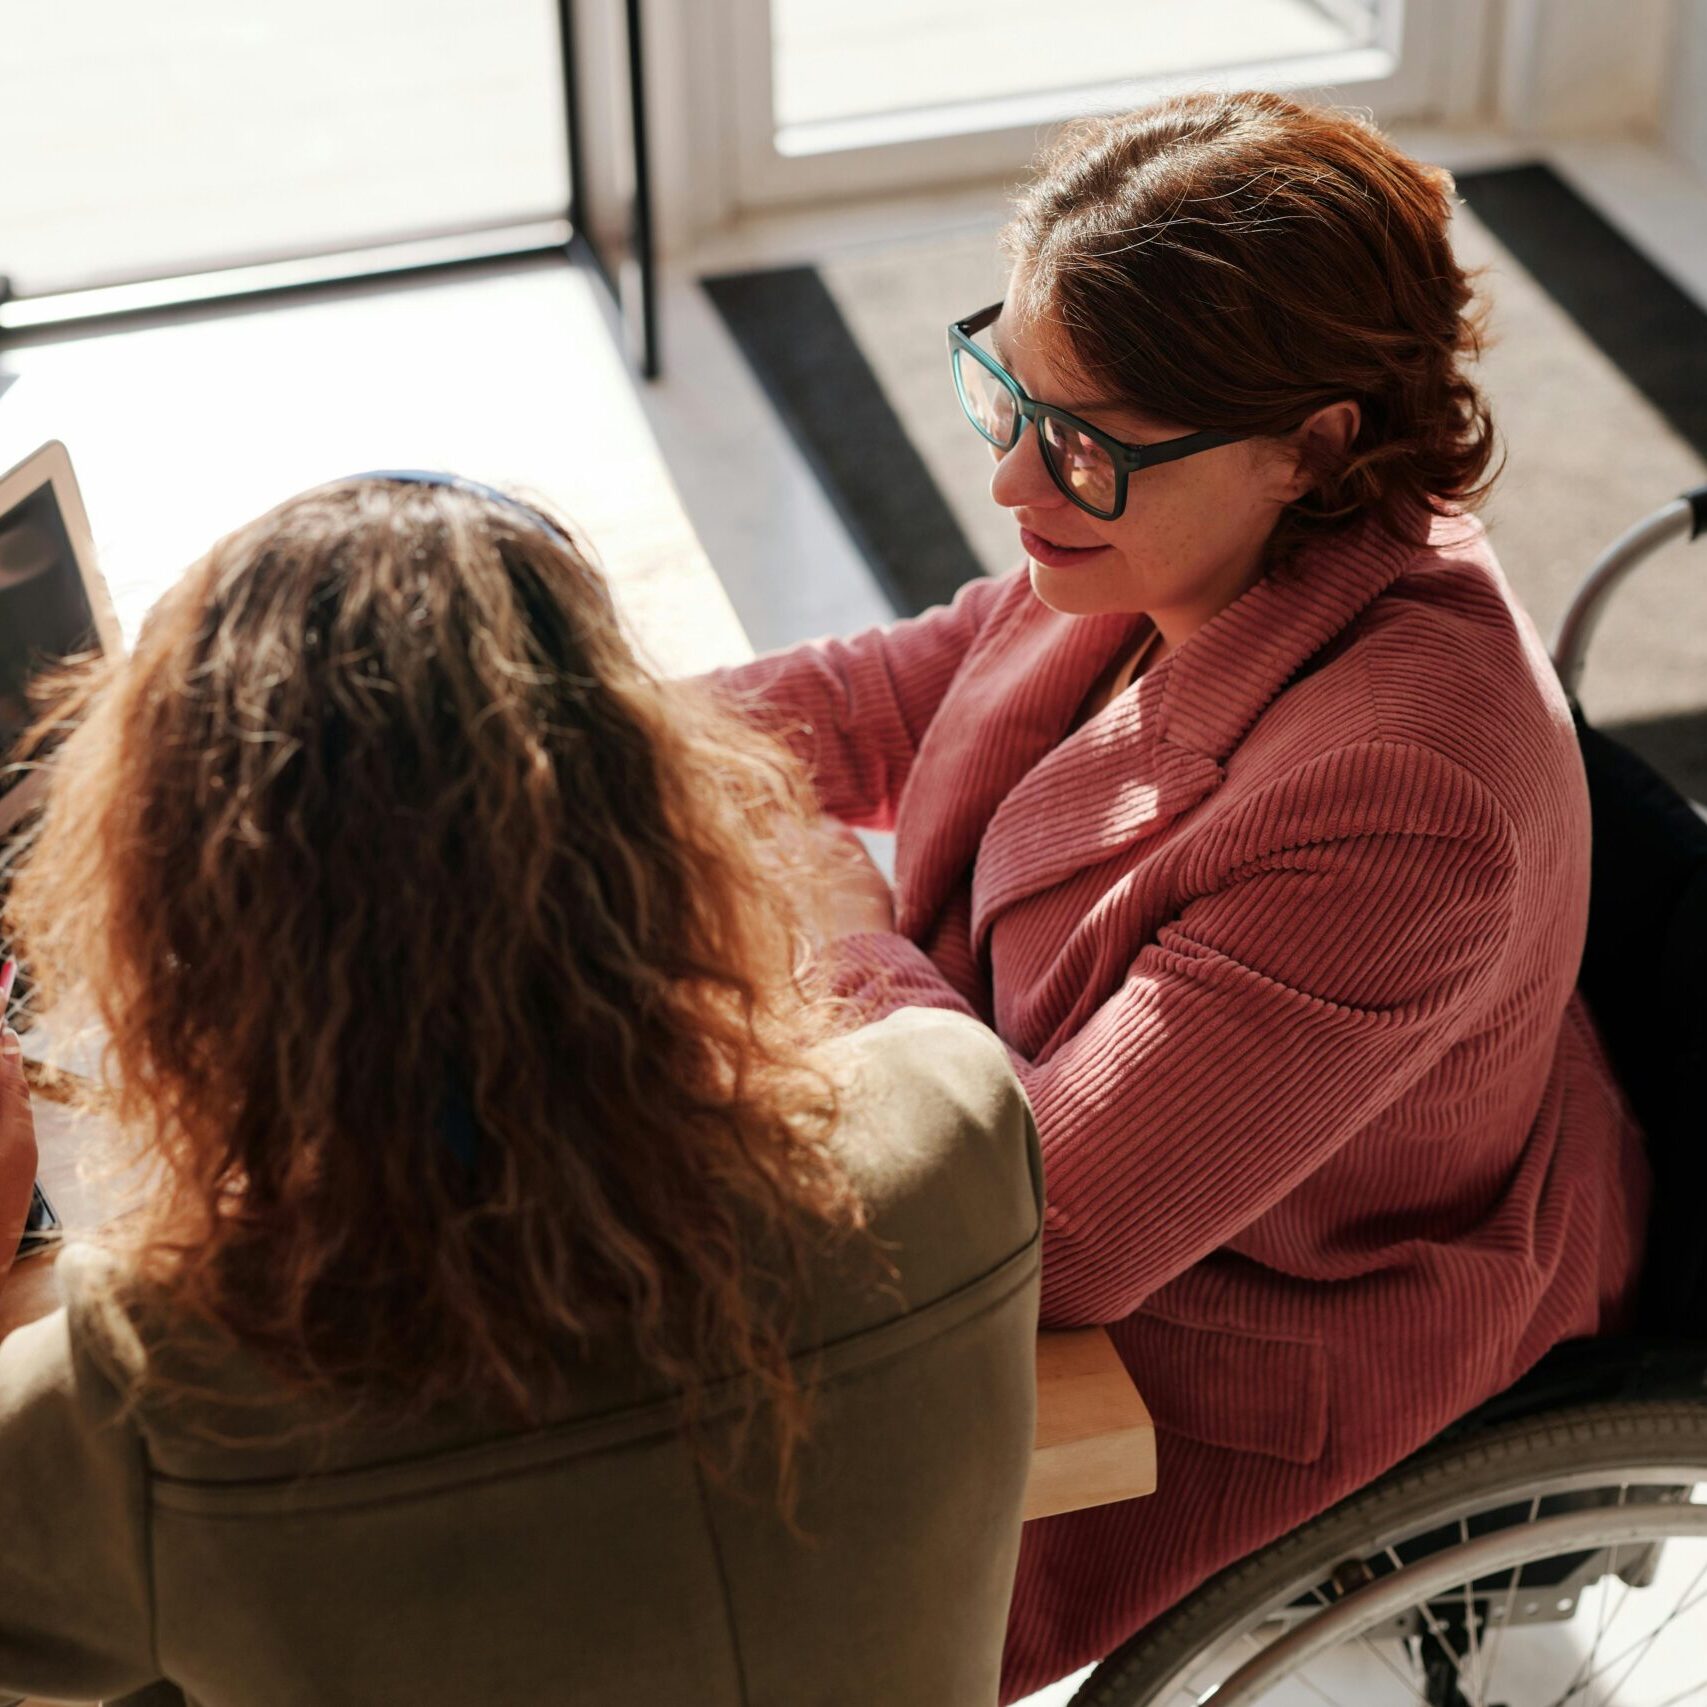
x: 1267, y: 1023
x: 855, y: 710
x: 17, y: 1147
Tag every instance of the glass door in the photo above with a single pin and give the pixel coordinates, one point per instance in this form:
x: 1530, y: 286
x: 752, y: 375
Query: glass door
x: 158, y: 159
x: 142, y: 142
x: 889, y: 94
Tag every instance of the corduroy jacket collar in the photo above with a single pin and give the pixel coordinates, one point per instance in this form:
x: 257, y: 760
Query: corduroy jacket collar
x: 1058, y: 801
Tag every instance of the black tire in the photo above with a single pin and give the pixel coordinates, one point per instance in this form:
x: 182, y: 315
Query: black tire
x: 1591, y: 1446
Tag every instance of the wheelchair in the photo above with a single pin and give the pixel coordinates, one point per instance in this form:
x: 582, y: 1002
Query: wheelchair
x: 1579, y: 1495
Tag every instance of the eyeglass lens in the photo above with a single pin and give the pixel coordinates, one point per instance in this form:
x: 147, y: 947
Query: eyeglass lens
x: 990, y: 406
x: 1082, y: 465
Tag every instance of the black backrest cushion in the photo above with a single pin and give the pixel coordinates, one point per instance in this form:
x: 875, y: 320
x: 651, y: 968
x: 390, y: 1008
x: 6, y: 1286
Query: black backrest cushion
x: 1644, y: 975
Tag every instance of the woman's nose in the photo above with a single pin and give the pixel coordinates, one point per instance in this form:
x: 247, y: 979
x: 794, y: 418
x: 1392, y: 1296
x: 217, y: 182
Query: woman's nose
x: 1020, y: 480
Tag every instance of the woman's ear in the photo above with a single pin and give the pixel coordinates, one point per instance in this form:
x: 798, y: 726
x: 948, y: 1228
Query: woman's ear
x: 1326, y: 435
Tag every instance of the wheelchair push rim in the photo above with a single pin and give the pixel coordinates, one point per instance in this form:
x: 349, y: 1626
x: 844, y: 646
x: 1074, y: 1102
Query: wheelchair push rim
x: 1415, y: 1589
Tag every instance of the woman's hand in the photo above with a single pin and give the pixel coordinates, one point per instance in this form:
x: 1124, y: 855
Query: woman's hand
x: 17, y: 1146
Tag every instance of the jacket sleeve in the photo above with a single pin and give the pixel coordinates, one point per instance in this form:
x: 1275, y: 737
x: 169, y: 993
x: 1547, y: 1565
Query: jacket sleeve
x: 1268, y: 1022
x: 855, y: 710
x: 75, y: 1611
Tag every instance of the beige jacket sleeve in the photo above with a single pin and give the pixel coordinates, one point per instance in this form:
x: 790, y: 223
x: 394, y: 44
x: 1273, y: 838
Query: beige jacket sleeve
x: 75, y: 1601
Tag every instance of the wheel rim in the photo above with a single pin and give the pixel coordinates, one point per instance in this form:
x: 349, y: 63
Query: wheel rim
x: 1471, y: 1644
x: 1464, y: 1604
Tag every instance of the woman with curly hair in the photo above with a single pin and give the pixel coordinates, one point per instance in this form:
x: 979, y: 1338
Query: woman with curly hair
x: 1249, y: 815
x: 505, y: 1165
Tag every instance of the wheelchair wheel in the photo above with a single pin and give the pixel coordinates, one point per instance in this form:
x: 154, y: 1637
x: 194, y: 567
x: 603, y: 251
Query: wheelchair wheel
x: 1557, y: 1559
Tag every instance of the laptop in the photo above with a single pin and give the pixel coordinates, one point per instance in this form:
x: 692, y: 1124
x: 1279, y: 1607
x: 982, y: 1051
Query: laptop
x: 53, y: 606
x: 53, y: 602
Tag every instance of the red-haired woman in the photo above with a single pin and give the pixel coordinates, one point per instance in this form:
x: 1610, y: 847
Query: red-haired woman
x: 1250, y: 816
x: 505, y: 1170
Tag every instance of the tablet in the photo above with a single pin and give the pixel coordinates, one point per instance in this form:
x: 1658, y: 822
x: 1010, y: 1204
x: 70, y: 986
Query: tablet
x: 53, y: 602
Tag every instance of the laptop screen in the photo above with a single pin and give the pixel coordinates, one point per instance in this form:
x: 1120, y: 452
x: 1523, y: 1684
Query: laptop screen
x: 44, y: 609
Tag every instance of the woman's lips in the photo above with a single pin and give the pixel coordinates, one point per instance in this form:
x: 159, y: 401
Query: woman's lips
x: 1053, y: 556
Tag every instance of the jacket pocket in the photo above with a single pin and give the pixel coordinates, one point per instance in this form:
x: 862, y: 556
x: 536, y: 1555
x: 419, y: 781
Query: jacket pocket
x: 1226, y: 1387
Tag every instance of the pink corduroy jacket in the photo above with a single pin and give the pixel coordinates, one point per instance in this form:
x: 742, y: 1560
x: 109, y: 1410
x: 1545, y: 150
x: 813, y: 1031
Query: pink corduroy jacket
x: 1283, y: 943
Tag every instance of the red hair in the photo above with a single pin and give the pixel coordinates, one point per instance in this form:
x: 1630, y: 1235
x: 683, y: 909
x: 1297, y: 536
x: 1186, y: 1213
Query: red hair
x: 1236, y: 261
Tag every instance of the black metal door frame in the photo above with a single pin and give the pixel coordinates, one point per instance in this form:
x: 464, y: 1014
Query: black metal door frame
x: 639, y: 318
x: 318, y: 273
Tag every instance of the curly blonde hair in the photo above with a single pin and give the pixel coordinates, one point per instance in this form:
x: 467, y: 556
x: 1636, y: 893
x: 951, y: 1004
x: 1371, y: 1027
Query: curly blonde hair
x: 452, y: 969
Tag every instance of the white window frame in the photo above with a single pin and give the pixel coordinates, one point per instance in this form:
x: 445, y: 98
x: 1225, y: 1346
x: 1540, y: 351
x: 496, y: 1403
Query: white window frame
x: 1423, y: 72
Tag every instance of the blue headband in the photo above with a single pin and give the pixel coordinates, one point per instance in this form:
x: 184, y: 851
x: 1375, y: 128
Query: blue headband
x: 474, y: 488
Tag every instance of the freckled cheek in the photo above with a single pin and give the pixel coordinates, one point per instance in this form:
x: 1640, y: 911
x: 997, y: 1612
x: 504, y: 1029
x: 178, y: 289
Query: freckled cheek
x: 1164, y: 538
x: 1182, y: 507
x: 1155, y: 524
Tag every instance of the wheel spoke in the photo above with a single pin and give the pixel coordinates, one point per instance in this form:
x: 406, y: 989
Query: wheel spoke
x: 1433, y: 1623
x: 1586, y: 1666
x: 1684, y: 1694
x: 1474, y: 1665
x: 1392, y: 1665
x: 1368, y: 1642
x: 1405, y: 1605
x: 1477, y: 1699
x: 1617, y: 1613
x: 1641, y: 1646
x: 1510, y: 1599
x: 1645, y: 1644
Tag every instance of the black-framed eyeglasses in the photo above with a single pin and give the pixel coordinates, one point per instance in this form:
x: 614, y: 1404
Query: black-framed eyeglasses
x: 1087, y: 464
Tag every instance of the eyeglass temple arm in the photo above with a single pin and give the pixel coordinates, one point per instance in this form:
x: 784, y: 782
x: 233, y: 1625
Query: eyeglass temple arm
x: 1171, y: 450
x: 977, y: 322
